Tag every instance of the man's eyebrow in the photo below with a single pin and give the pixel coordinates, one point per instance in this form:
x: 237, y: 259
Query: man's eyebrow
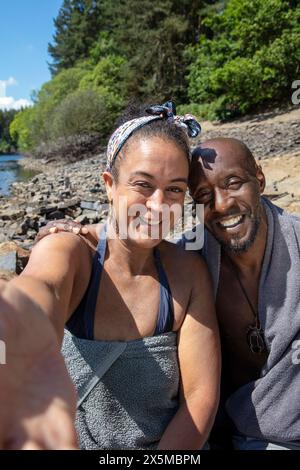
x: 148, y: 175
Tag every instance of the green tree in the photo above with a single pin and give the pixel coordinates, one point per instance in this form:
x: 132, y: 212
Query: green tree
x: 152, y: 37
x: 82, y: 112
x: 32, y: 126
x: 247, y: 59
x: 7, y: 143
x: 76, y: 29
x: 22, y: 129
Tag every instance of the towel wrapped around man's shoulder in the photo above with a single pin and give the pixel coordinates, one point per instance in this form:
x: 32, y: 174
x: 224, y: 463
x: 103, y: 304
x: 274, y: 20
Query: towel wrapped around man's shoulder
x: 269, y: 408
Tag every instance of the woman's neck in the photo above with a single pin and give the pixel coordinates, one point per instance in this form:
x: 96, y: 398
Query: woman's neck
x: 128, y: 257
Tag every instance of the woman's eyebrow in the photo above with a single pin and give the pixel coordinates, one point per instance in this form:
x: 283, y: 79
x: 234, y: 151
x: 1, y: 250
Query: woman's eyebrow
x: 141, y: 173
x: 148, y: 175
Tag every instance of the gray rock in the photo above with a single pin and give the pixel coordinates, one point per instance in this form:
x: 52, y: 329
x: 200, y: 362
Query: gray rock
x: 56, y: 215
x: 90, y: 205
x: 82, y: 219
x: 68, y: 203
x: 11, y: 214
x: 8, y: 261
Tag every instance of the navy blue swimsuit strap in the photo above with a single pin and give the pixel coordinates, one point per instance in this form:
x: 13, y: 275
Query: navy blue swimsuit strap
x: 165, y: 318
x: 81, y: 323
x: 90, y: 306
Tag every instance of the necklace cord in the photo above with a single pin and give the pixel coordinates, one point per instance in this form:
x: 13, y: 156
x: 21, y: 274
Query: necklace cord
x: 255, y: 313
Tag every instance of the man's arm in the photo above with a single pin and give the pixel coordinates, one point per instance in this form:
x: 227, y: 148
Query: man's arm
x: 200, y: 364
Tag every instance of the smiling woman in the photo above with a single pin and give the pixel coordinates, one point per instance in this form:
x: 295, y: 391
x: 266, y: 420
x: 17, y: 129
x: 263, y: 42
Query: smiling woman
x: 135, y: 312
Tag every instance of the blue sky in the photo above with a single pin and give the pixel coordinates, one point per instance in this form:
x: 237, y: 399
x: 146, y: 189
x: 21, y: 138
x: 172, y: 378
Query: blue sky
x: 26, y: 27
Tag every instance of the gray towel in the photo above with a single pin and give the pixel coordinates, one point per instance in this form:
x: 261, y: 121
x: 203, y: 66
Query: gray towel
x: 133, y: 401
x: 269, y: 408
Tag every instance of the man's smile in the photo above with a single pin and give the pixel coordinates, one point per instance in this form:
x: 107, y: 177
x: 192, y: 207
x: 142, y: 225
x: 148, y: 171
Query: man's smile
x: 227, y: 223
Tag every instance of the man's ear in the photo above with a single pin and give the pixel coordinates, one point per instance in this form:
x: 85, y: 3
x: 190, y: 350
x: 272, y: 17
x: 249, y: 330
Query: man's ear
x: 109, y: 183
x: 260, y: 178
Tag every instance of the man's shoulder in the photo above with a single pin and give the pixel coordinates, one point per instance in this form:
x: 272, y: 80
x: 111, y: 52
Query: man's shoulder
x: 292, y: 217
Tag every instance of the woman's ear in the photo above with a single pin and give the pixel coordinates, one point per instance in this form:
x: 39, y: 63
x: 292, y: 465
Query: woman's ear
x: 109, y: 183
x: 260, y: 178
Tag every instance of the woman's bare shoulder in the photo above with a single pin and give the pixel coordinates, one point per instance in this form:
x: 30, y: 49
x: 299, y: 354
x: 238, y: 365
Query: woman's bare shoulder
x: 63, y: 250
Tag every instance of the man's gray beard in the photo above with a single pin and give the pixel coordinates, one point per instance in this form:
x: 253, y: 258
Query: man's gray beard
x: 235, y: 246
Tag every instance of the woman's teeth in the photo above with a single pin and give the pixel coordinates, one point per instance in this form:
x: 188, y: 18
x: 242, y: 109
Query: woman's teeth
x: 148, y: 221
x: 231, y: 222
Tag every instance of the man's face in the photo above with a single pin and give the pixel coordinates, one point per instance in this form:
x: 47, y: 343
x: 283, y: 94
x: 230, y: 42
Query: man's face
x: 230, y: 189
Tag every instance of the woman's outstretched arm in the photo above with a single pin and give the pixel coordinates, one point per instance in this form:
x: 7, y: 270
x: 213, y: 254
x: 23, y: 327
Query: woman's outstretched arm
x: 36, y: 394
x: 37, y: 397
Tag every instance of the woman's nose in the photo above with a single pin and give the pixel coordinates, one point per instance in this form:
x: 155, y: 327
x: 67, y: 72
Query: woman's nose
x: 156, y: 201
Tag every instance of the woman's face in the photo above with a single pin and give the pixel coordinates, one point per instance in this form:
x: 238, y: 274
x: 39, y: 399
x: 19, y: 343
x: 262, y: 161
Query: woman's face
x: 148, y: 197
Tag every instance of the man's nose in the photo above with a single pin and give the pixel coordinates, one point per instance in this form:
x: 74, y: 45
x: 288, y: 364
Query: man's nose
x: 222, y: 200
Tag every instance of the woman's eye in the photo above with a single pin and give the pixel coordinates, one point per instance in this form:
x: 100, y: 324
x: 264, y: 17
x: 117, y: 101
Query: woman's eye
x: 175, y: 190
x: 143, y: 184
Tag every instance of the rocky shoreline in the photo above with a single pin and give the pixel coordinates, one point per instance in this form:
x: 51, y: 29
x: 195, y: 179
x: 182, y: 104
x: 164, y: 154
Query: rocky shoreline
x: 76, y: 191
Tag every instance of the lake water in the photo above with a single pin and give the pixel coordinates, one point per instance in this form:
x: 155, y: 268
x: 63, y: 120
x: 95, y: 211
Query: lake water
x: 11, y: 171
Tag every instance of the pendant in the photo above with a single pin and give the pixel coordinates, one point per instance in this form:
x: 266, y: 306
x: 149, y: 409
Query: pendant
x: 255, y: 340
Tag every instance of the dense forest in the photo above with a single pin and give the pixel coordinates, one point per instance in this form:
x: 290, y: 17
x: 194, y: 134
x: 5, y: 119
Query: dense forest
x: 217, y: 59
x: 7, y: 143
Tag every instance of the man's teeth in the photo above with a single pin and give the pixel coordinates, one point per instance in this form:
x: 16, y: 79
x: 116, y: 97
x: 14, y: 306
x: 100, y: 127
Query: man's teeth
x: 232, y: 222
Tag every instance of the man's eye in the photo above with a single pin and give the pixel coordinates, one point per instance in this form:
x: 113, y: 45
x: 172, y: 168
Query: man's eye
x: 235, y: 184
x: 203, y: 198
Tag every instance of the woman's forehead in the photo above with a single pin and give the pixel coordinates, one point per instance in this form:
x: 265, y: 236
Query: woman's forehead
x: 154, y: 156
x: 151, y: 146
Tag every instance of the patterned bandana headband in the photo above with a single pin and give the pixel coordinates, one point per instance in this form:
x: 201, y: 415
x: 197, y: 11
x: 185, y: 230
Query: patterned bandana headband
x: 166, y: 111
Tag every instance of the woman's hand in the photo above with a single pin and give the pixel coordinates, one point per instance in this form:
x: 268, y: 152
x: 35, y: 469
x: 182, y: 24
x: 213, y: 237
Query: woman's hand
x: 62, y: 225
x: 37, y: 397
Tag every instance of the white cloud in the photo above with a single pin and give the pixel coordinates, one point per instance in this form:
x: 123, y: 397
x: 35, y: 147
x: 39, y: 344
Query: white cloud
x: 11, y: 81
x: 5, y: 83
x: 8, y: 102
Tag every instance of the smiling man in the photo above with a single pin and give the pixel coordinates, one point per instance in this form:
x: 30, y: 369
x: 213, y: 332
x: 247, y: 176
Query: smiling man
x: 252, y: 250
